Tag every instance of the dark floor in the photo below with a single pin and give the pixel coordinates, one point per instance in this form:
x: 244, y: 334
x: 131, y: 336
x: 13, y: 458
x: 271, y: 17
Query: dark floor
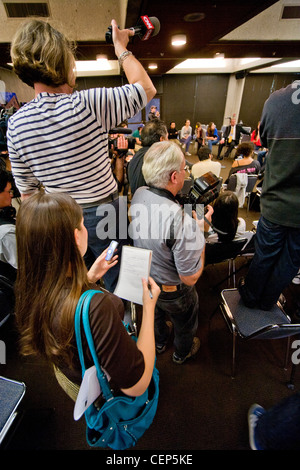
x: 200, y: 406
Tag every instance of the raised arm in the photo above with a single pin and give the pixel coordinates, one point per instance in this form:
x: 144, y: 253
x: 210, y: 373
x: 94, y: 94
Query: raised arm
x: 133, y: 69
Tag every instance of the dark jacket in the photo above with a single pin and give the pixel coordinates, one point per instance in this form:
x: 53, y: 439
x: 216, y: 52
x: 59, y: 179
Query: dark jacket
x: 135, y: 175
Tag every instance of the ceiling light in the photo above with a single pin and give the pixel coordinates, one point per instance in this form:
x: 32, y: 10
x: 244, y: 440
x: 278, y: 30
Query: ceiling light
x: 193, y: 17
x: 92, y: 65
x: 200, y: 63
x: 247, y: 60
x: 152, y: 66
x: 178, y: 40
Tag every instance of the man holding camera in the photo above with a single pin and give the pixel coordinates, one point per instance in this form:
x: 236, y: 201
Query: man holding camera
x: 177, y: 242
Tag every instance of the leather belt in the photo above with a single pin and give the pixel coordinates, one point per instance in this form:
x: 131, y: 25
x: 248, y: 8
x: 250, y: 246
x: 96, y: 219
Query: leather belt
x: 112, y: 197
x: 167, y: 288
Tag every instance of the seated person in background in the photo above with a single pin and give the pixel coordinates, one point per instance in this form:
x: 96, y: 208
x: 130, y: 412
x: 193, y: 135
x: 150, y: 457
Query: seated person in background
x: 212, y: 135
x: 262, y: 157
x: 8, y: 248
x: 153, y: 131
x: 205, y: 164
x: 231, y: 138
x: 51, y: 278
x: 225, y: 218
x: 200, y: 135
x: 172, y: 131
x: 244, y: 162
x: 186, y: 136
x: 137, y: 134
x: 255, y: 138
x: 153, y: 114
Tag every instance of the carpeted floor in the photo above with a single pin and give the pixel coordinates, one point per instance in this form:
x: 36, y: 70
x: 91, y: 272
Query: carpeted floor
x: 200, y: 406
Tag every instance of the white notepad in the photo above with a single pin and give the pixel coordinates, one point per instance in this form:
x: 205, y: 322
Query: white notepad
x: 135, y: 265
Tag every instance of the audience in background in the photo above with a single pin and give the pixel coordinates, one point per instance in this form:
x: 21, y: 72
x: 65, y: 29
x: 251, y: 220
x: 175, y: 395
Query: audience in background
x: 255, y: 138
x: 200, y: 135
x: 262, y: 157
x: 212, y: 136
x: 205, y: 164
x: 231, y: 138
x: 137, y: 134
x: 244, y: 162
x: 172, y: 131
x: 186, y: 136
x: 153, y: 114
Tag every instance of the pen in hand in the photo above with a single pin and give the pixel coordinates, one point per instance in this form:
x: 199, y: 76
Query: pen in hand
x: 150, y: 293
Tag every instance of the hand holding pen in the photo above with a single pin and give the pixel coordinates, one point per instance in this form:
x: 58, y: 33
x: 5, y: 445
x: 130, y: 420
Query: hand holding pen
x: 151, y: 291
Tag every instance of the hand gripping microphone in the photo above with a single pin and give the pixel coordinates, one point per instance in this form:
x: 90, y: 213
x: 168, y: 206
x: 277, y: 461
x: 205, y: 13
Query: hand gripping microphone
x: 146, y: 28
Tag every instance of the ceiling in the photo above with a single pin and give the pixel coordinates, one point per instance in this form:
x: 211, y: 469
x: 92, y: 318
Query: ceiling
x: 238, y: 29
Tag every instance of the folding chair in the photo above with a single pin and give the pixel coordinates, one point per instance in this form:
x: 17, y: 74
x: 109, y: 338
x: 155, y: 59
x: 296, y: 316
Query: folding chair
x: 252, y: 179
x: 11, y: 394
x: 247, y: 323
x: 224, y: 251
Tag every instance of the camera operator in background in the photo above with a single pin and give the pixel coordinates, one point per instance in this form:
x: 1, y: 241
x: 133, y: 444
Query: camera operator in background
x: 177, y: 241
x: 121, y: 150
x: 60, y: 138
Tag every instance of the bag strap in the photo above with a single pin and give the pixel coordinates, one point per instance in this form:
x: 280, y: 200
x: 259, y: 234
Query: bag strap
x: 82, y: 312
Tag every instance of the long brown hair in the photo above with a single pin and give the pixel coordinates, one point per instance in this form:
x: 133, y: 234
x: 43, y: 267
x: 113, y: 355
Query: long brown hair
x: 51, y: 275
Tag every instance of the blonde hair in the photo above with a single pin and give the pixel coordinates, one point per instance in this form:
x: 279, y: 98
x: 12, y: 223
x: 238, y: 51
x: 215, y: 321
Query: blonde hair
x: 40, y: 53
x: 160, y: 161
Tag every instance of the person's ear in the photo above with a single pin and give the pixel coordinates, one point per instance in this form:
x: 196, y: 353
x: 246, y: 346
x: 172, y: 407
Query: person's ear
x: 76, y: 236
x: 173, y: 177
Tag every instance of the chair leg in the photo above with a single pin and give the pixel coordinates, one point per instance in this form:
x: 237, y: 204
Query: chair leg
x: 233, y: 354
x: 233, y: 271
x: 286, y: 360
x: 229, y: 271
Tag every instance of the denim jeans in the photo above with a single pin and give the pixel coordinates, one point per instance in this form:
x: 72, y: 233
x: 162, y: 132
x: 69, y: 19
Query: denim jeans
x: 210, y: 143
x: 187, y: 142
x: 279, y: 427
x: 275, y: 263
x: 104, y: 223
x: 182, y: 307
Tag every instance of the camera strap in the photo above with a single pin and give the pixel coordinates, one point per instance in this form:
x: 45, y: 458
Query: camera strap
x: 165, y: 193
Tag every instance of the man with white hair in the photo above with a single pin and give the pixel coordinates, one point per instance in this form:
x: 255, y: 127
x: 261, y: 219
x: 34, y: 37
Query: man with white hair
x: 159, y: 223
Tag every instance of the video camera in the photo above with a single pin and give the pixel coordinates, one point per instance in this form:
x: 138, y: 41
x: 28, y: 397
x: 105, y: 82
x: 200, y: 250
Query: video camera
x: 202, y: 190
x: 113, y: 143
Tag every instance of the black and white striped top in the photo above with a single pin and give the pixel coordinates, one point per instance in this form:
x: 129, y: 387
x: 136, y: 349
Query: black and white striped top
x: 61, y: 140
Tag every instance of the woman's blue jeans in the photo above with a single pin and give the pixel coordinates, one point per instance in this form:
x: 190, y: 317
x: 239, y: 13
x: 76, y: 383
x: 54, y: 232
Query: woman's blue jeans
x: 105, y: 223
x: 275, y: 263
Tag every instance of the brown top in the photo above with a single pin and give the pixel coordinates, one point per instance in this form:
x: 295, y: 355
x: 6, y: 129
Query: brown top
x: 116, y: 350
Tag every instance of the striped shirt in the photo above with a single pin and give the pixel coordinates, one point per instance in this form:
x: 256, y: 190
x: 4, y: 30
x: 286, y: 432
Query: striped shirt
x: 61, y: 140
